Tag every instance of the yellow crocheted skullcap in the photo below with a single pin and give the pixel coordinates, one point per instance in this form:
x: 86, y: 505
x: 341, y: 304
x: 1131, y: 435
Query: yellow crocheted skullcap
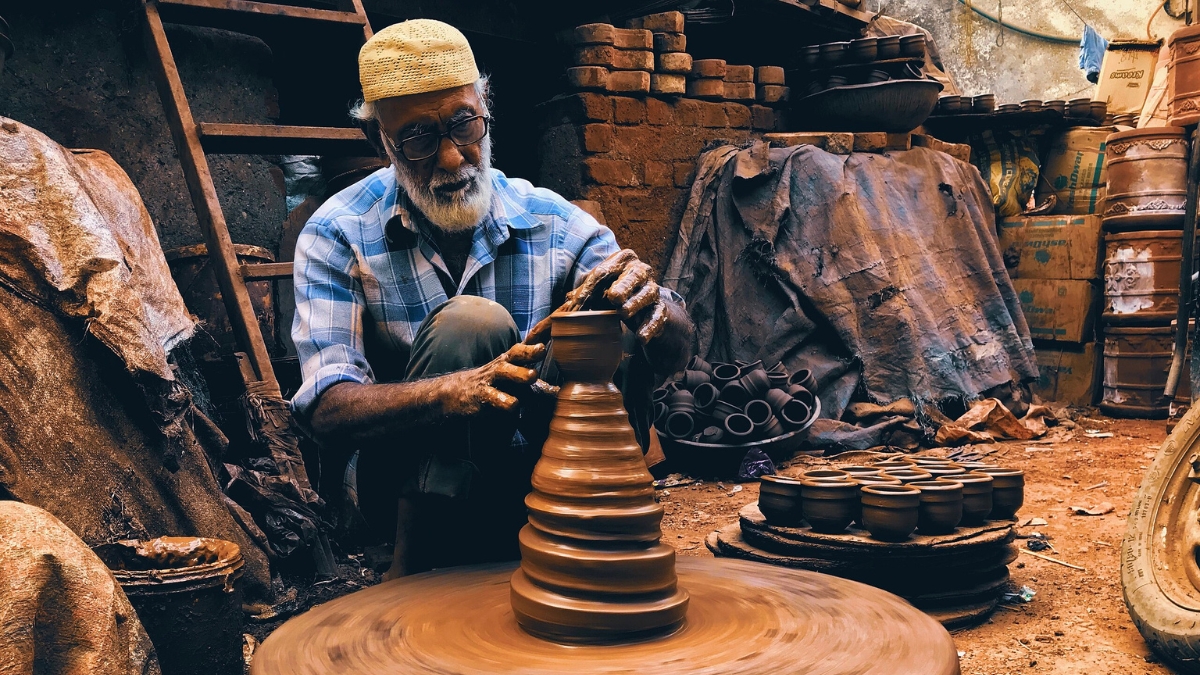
x: 414, y: 57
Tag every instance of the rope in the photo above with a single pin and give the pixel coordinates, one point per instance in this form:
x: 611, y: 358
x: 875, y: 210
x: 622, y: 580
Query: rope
x: 1029, y: 32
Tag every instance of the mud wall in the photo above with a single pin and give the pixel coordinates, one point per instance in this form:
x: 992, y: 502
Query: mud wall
x: 81, y: 75
x: 636, y: 157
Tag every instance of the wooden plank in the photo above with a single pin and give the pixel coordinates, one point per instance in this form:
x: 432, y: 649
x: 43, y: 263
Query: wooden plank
x: 357, y: 7
x: 271, y: 139
x: 204, y: 199
x: 261, y: 271
x: 244, y: 16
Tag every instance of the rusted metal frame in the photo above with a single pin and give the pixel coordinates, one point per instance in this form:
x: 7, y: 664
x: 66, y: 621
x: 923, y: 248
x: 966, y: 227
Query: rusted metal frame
x: 1185, y: 269
x: 204, y: 199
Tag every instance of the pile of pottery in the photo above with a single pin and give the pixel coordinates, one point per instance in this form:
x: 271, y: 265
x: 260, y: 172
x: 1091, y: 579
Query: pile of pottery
x: 863, y: 61
x: 1078, y: 108
x: 935, y: 532
x: 734, y: 403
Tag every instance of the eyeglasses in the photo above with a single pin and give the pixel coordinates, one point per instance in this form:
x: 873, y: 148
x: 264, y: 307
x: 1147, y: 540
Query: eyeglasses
x: 462, y: 133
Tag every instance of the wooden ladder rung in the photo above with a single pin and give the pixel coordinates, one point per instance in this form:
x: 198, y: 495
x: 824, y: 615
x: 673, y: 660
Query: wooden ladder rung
x: 263, y: 271
x: 244, y: 16
x: 271, y: 139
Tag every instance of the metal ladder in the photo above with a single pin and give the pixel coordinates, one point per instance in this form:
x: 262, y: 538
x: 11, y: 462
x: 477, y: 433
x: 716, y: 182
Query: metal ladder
x: 193, y: 140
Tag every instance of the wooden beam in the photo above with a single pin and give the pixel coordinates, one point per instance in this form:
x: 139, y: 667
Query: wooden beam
x: 245, y: 16
x: 264, y: 271
x: 271, y: 139
x: 204, y: 198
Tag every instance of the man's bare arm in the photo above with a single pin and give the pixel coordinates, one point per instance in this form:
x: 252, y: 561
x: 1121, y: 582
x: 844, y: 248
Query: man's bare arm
x: 355, y: 413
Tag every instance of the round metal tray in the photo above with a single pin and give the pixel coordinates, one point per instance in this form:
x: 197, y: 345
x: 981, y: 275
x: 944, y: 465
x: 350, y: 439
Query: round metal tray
x: 721, y: 460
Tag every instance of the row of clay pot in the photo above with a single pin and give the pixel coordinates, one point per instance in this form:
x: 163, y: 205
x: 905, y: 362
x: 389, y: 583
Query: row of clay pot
x: 893, y: 499
x: 733, y: 403
x: 863, y: 50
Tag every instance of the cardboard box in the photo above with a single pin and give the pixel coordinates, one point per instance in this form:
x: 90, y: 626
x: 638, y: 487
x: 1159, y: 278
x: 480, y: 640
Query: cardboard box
x: 1126, y: 75
x: 1068, y: 373
x: 1052, y: 247
x: 1059, y: 309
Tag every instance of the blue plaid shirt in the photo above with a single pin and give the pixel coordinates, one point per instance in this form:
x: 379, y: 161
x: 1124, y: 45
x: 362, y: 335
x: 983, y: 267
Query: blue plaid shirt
x: 366, y: 275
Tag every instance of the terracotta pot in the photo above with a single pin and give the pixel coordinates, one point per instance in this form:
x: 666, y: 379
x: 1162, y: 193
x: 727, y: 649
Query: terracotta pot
x: 795, y: 414
x: 724, y: 373
x: 976, y: 466
x: 810, y: 55
x: 833, y: 53
x: 864, y: 50
x: 1008, y: 108
x: 855, y: 470
x: 937, y: 471
x: 878, y: 76
x: 1183, y: 79
x: 705, y: 397
x: 941, y: 507
x: 661, y: 394
x: 756, y: 382
x: 912, y: 46
x: 1079, y: 107
x: 984, y: 104
x: 948, y: 105
x: 779, y: 500
x: 864, y: 480
x: 694, y: 378
x: 681, y: 401
x: 697, y: 363
x: 977, y: 496
x: 738, y: 428
x: 804, y: 378
x: 829, y: 505
x: 712, y: 435
x: 1008, y: 492
x: 825, y: 474
x: 778, y: 369
x: 722, y: 410
x: 680, y: 425
x: 1147, y: 179
x: 777, y: 399
x: 890, y: 512
x: 1031, y: 105
x: 1098, y: 110
x: 765, y: 424
x: 931, y: 461
x: 750, y: 366
x: 908, y: 475
x: 735, y: 394
x: 801, y: 394
x: 888, y: 464
x: 888, y: 47
x: 1058, y: 106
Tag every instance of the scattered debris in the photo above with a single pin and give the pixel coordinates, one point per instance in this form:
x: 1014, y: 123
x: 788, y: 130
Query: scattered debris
x: 1101, y: 484
x: 1096, y: 433
x: 674, y: 480
x: 1045, y: 449
x: 1023, y: 594
x: 1053, y: 560
x: 1098, y: 510
x: 1034, y: 522
x: 736, y: 489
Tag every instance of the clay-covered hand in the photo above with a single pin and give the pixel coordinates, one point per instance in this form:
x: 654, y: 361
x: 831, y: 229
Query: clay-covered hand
x: 469, y: 391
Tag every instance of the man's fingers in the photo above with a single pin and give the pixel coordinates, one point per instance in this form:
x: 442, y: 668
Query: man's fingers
x: 510, y: 373
x: 544, y: 388
x: 647, y: 296
x: 499, y: 399
x: 539, y: 334
x: 525, y: 354
x: 615, y: 262
x: 635, y: 276
x: 654, y: 326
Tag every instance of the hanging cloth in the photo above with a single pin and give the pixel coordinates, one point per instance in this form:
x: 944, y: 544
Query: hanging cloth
x: 1091, y: 53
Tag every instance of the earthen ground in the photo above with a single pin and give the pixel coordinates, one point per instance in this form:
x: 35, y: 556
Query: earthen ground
x: 1077, y: 622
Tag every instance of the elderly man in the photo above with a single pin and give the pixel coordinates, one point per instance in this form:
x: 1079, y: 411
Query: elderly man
x: 421, y: 295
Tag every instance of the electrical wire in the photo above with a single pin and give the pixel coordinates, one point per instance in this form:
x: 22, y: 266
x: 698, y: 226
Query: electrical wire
x: 1029, y: 32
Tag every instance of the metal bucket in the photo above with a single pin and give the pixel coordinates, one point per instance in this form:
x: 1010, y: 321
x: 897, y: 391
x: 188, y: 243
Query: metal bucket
x: 1136, y: 363
x: 186, y: 595
x: 1183, y: 76
x: 1141, y: 277
x: 1147, y: 179
x: 198, y: 285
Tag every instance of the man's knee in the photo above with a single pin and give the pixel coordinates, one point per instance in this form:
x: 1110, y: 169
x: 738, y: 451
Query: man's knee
x: 466, y: 331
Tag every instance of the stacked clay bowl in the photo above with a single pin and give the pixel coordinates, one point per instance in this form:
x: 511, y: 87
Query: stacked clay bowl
x: 709, y: 415
x: 932, y: 531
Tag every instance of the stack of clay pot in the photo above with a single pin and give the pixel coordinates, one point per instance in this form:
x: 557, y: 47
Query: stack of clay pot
x: 734, y: 403
x: 1143, y: 222
x: 930, y: 530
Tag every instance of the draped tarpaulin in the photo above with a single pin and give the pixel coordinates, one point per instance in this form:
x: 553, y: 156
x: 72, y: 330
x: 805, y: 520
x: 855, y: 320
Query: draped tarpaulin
x: 883, y: 266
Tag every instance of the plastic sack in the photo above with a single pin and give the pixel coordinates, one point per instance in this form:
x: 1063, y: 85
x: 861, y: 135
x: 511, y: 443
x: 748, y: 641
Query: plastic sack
x: 1010, y: 165
x: 754, y: 465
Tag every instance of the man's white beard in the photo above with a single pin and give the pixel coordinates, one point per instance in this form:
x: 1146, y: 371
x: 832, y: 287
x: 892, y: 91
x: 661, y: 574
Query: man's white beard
x: 455, y: 211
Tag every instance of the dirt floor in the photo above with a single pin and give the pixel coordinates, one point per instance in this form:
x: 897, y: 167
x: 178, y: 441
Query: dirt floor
x: 1077, y: 622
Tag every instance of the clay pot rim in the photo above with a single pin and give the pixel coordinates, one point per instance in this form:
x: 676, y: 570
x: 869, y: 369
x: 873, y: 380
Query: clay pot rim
x: 908, y: 473
x: 933, y: 460
x: 971, y: 478
x: 861, y: 469
x: 877, y: 480
x: 936, y: 486
x: 1002, y: 471
x: 1179, y: 132
x: 848, y: 487
x: 888, y: 490
x: 782, y: 480
x: 841, y: 475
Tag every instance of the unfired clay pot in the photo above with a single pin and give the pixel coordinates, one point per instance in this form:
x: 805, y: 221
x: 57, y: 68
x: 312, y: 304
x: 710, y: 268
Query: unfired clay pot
x: 825, y: 474
x: 856, y: 471
x: 941, y: 507
x: 889, y: 512
x: 779, y: 500
x: 829, y: 505
x: 724, y: 373
x: 864, y: 480
x: 977, y: 496
x: 909, y: 475
x: 1008, y: 492
x: 939, y: 470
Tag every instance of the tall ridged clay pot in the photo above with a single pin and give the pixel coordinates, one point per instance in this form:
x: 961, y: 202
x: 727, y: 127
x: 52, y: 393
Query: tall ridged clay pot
x: 592, y: 567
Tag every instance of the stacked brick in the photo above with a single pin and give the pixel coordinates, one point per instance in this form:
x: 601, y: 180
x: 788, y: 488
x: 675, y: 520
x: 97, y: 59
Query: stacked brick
x: 612, y: 59
x: 672, y: 63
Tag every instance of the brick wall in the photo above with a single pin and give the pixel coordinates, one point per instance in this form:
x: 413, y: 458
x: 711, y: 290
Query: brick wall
x: 636, y: 157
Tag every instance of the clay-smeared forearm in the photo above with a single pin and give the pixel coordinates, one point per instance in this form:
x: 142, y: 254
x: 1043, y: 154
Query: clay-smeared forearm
x: 353, y: 412
x: 670, y: 350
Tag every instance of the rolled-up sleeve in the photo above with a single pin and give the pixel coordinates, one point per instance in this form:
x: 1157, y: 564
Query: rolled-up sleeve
x: 328, y: 328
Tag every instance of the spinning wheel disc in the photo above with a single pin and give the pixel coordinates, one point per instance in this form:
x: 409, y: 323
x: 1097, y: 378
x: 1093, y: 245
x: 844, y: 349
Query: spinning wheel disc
x: 744, y: 618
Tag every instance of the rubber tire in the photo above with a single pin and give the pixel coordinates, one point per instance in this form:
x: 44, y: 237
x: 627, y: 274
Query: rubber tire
x: 1172, y: 631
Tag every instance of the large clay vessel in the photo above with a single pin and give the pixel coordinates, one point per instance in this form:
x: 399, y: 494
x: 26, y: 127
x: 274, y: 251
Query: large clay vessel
x: 592, y: 567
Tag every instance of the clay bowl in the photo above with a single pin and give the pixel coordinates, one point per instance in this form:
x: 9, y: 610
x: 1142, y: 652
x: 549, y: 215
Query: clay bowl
x: 976, y: 466
x: 738, y: 428
x: 681, y: 401
x: 680, y: 425
x: 864, y: 50
x: 896, y: 106
x: 777, y: 399
x: 1008, y: 108
x: 1057, y: 105
x: 864, y: 480
x: 855, y: 471
x: 907, y: 476
x: 779, y: 500
x: 724, y: 373
x: 977, y: 496
x: 722, y: 410
x: 660, y: 395
x: 755, y: 382
x: 735, y: 394
x: 829, y: 505
x: 749, y: 366
x: 697, y: 363
x: 877, y: 76
x: 1008, y: 492
x: 825, y: 474
x: 889, y: 464
x: 984, y: 104
x: 888, y: 47
x: 948, y: 105
x: 796, y: 414
x: 801, y: 394
x: 912, y: 46
x: 836, y: 81
x: 929, y: 460
x: 1098, y: 110
x: 1031, y: 105
x: 941, y: 507
x: 694, y: 378
x: 1079, y: 107
x: 804, y: 378
x: 833, y: 53
x: 890, y: 512
x: 810, y: 55
x: 938, y: 471
x: 705, y: 397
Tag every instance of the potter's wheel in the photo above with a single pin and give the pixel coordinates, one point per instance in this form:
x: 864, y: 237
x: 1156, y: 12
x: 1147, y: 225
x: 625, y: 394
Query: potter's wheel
x: 744, y: 618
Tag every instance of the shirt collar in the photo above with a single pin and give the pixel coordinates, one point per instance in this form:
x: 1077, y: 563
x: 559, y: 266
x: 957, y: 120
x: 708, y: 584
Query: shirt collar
x: 506, y: 212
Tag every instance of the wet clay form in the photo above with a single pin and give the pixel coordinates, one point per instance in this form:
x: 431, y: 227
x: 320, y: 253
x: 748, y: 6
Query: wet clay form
x: 596, y: 592
x: 592, y: 566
